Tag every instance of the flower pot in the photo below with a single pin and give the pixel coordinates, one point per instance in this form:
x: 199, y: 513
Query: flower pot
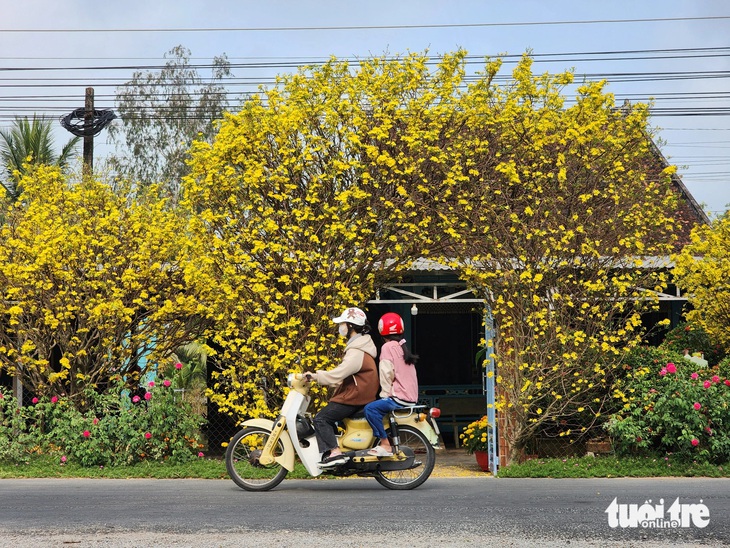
x: 482, y: 460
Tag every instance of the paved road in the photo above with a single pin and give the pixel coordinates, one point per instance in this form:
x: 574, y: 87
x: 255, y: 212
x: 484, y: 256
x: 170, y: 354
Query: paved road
x: 351, y: 512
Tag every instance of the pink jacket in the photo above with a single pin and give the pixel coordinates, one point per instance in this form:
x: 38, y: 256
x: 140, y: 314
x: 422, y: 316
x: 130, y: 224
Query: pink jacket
x: 398, y: 379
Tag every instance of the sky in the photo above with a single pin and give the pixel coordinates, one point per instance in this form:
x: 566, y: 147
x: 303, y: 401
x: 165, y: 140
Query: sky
x: 674, y: 52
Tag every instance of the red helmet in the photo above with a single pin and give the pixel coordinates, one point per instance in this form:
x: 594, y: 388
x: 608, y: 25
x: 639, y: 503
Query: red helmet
x: 390, y: 324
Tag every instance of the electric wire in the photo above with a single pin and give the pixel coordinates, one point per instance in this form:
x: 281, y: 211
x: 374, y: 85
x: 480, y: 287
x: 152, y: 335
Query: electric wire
x: 371, y: 27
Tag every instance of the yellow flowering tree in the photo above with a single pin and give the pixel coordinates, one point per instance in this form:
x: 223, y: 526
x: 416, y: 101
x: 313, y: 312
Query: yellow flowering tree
x: 90, y: 281
x: 307, y: 199
x: 559, y: 208
x: 703, y: 270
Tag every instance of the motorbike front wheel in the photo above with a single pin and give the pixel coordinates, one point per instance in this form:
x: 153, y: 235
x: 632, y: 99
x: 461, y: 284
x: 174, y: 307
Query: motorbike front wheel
x: 242, y: 460
x: 425, y: 455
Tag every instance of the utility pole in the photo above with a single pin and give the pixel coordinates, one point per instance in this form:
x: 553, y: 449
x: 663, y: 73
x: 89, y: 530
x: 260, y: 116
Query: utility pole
x: 87, y: 122
x: 88, y: 135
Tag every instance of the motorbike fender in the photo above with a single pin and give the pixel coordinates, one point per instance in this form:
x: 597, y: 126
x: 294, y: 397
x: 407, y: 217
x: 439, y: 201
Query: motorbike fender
x: 286, y: 459
x: 424, y: 427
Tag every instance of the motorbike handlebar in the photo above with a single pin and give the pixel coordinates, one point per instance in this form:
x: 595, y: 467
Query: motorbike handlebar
x: 302, y: 377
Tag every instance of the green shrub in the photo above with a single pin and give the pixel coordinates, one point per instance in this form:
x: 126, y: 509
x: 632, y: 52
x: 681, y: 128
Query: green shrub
x: 110, y: 430
x: 673, y: 407
x: 17, y: 434
x: 723, y: 368
x: 695, y: 339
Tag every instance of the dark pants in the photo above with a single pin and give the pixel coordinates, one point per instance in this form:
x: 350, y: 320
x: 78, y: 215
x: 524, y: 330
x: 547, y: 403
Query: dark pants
x: 324, y: 423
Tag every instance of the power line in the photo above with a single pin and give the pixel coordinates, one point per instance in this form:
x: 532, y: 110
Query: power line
x: 292, y: 62
x: 378, y: 27
x: 709, y: 51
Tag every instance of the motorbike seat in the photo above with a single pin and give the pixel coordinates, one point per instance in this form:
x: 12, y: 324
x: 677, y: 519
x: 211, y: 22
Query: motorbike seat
x: 359, y: 414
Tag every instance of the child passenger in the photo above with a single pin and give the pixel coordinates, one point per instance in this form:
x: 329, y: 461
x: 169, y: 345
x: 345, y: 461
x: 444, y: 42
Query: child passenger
x: 398, y: 380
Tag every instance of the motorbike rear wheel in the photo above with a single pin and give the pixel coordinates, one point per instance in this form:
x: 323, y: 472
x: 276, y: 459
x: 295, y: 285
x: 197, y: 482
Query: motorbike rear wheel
x: 413, y: 477
x: 242, y: 460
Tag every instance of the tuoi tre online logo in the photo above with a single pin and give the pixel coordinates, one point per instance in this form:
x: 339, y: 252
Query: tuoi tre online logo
x: 648, y: 516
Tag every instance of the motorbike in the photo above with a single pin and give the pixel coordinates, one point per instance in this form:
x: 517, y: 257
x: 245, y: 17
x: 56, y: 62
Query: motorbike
x: 260, y: 455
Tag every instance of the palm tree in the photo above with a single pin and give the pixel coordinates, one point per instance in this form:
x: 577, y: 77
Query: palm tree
x: 192, y: 369
x: 189, y: 374
x: 29, y: 142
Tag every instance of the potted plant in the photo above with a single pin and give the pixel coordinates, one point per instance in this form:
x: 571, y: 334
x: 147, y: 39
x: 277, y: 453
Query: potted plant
x: 474, y: 440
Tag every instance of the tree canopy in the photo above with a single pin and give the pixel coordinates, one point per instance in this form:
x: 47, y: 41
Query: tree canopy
x: 703, y: 271
x: 161, y: 113
x: 305, y: 201
x: 337, y: 178
x: 92, y: 283
x: 560, y: 208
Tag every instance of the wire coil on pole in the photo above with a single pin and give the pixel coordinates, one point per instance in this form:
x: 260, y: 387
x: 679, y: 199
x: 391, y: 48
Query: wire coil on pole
x: 76, y: 124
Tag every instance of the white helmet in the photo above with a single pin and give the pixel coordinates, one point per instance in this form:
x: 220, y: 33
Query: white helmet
x: 352, y: 315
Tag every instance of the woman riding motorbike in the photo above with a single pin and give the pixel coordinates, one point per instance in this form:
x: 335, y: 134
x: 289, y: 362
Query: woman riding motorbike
x: 356, y: 379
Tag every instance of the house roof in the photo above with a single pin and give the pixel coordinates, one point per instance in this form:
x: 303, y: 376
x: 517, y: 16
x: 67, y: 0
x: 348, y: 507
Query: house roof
x: 689, y: 213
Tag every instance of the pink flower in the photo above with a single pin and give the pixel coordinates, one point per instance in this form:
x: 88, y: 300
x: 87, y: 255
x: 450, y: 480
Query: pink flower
x: 663, y: 371
x: 707, y: 384
x: 148, y: 396
x: 671, y: 368
x: 695, y: 442
x: 698, y: 406
x: 86, y: 433
x: 54, y: 399
x: 178, y: 365
x: 201, y: 454
x: 135, y: 399
x: 694, y: 376
x: 708, y: 430
x: 151, y: 383
x: 727, y: 383
x: 95, y: 421
x: 715, y: 378
x: 63, y: 459
x: 1, y: 396
x: 166, y: 383
x: 34, y: 400
x: 147, y: 435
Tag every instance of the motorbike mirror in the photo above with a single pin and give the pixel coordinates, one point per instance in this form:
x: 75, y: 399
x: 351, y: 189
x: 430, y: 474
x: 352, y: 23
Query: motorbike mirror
x: 434, y: 412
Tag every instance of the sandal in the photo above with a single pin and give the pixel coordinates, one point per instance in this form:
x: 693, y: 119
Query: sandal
x: 380, y: 451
